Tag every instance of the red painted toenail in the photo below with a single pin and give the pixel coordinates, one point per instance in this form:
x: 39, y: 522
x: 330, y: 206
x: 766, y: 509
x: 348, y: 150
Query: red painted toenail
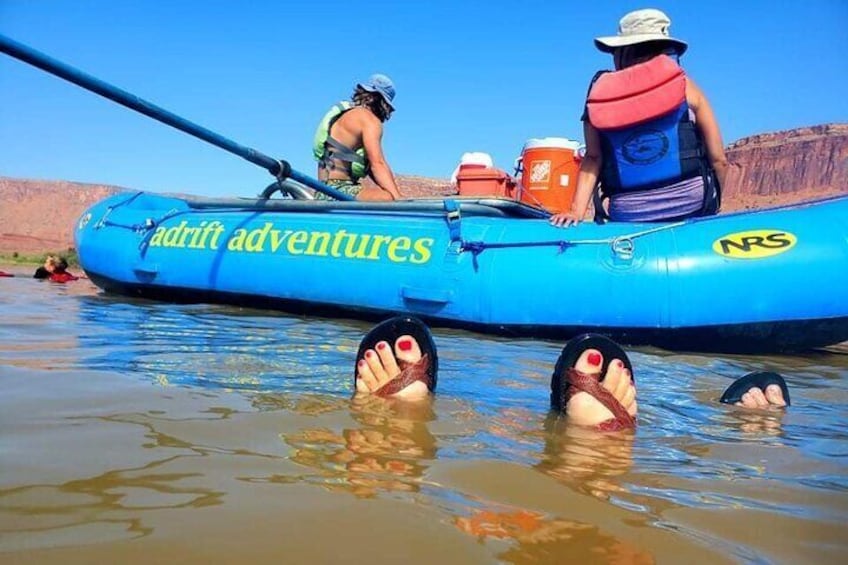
x: 361, y: 363
x: 594, y: 359
x: 381, y: 345
x: 369, y: 353
x: 405, y: 345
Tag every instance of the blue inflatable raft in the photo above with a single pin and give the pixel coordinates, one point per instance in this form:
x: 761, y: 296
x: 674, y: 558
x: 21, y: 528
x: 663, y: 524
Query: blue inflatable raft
x: 770, y: 280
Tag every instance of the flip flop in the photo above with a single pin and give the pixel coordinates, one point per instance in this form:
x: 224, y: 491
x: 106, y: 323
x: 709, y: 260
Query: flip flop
x: 425, y: 370
x: 566, y: 380
x: 759, y: 380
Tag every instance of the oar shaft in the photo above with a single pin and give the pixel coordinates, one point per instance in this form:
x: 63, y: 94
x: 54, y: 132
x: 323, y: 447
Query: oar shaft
x: 78, y: 77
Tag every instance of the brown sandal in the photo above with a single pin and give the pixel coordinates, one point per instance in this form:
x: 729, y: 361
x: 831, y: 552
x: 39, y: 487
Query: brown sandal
x: 425, y: 370
x: 567, y: 381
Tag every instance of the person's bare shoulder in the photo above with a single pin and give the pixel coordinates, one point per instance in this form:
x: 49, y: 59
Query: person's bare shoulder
x: 362, y: 115
x: 694, y: 95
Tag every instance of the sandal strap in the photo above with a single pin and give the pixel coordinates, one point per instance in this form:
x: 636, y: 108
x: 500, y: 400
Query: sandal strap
x: 410, y: 372
x: 590, y: 384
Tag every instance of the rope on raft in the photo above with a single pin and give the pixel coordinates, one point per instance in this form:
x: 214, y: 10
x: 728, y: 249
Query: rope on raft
x: 622, y: 245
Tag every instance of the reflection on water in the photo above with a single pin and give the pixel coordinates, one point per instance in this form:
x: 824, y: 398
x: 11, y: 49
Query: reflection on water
x: 132, y: 420
x: 387, y: 450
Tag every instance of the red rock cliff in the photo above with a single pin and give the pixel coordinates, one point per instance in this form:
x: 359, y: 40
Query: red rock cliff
x: 787, y: 166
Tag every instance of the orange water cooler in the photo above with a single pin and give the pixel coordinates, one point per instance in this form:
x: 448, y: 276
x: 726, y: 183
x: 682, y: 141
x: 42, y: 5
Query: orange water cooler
x: 481, y: 181
x: 549, y: 168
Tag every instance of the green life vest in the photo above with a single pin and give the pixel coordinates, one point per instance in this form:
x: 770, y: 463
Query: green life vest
x: 329, y: 152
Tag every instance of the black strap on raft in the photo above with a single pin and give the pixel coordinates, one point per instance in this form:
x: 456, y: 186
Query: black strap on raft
x: 453, y: 217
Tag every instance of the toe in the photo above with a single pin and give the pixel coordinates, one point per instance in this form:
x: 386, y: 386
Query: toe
x: 376, y: 366
x: 621, y: 376
x: 365, y: 379
x: 615, y: 380
x: 774, y: 395
x: 387, y: 359
x: 628, y: 398
x: 758, y: 396
x: 589, y: 362
x: 754, y: 398
x: 407, y: 349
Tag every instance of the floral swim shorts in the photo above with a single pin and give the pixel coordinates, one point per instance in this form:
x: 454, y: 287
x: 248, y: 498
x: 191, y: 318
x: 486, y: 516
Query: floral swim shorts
x: 348, y: 187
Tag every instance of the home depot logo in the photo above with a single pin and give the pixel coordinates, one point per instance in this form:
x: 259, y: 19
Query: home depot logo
x: 540, y: 171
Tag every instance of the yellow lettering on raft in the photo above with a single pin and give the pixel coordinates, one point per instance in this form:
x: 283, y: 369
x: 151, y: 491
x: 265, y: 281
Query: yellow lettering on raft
x: 172, y: 235
x: 422, y: 248
x: 402, y: 243
x: 236, y: 242
x: 255, y: 240
x: 379, y: 240
x: 338, y: 244
x: 297, y: 238
x: 357, y: 246
x: 218, y: 230
x: 317, y: 238
x: 197, y: 233
x: 156, y: 240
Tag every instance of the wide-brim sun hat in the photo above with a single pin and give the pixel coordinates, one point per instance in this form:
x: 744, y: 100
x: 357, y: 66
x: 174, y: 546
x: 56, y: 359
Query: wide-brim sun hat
x: 641, y: 26
x: 382, y: 84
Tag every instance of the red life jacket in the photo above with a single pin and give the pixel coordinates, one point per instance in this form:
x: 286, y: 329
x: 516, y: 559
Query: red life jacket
x: 62, y: 277
x: 636, y: 94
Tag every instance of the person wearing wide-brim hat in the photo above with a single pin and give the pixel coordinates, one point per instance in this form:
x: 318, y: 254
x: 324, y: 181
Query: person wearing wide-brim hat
x: 348, y: 142
x: 653, y: 146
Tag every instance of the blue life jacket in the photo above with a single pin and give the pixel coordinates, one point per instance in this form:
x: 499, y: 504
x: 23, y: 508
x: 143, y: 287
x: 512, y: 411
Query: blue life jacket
x: 648, y: 138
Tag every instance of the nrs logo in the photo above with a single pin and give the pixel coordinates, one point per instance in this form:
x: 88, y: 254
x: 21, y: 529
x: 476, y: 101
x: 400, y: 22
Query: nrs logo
x: 754, y: 244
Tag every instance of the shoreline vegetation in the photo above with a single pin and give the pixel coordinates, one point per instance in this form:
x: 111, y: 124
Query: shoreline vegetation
x: 36, y: 259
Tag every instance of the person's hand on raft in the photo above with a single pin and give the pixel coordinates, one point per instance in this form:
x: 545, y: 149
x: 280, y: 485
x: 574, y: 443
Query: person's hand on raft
x: 565, y: 219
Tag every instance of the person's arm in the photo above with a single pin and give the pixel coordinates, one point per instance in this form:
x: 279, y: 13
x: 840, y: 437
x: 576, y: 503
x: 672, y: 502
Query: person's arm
x: 372, y: 135
x: 708, y: 126
x: 587, y: 178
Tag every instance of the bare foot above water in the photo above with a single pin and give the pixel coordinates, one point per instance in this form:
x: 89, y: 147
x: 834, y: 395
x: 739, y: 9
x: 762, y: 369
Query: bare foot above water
x: 397, y: 359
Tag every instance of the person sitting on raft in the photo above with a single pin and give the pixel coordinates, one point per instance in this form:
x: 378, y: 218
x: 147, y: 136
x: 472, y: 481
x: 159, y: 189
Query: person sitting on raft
x: 592, y: 384
x: 348, y: 142
x: 651, y: 137
x: 55, y: 270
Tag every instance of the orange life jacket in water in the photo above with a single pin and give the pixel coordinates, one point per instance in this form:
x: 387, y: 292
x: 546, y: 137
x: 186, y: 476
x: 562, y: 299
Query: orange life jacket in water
x: 62, y: 277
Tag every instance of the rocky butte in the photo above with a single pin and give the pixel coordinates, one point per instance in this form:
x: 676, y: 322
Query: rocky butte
x: 769, y: 169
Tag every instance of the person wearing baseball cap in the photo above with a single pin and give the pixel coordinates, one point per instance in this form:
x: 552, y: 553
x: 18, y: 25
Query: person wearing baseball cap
x: 348, y: 142
x: 653, y: 145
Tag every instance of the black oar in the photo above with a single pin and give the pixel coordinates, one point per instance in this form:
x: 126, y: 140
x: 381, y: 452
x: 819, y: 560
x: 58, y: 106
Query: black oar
x: 279, y: 168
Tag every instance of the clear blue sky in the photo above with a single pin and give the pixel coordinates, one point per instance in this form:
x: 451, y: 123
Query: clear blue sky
x: 470, y: 76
